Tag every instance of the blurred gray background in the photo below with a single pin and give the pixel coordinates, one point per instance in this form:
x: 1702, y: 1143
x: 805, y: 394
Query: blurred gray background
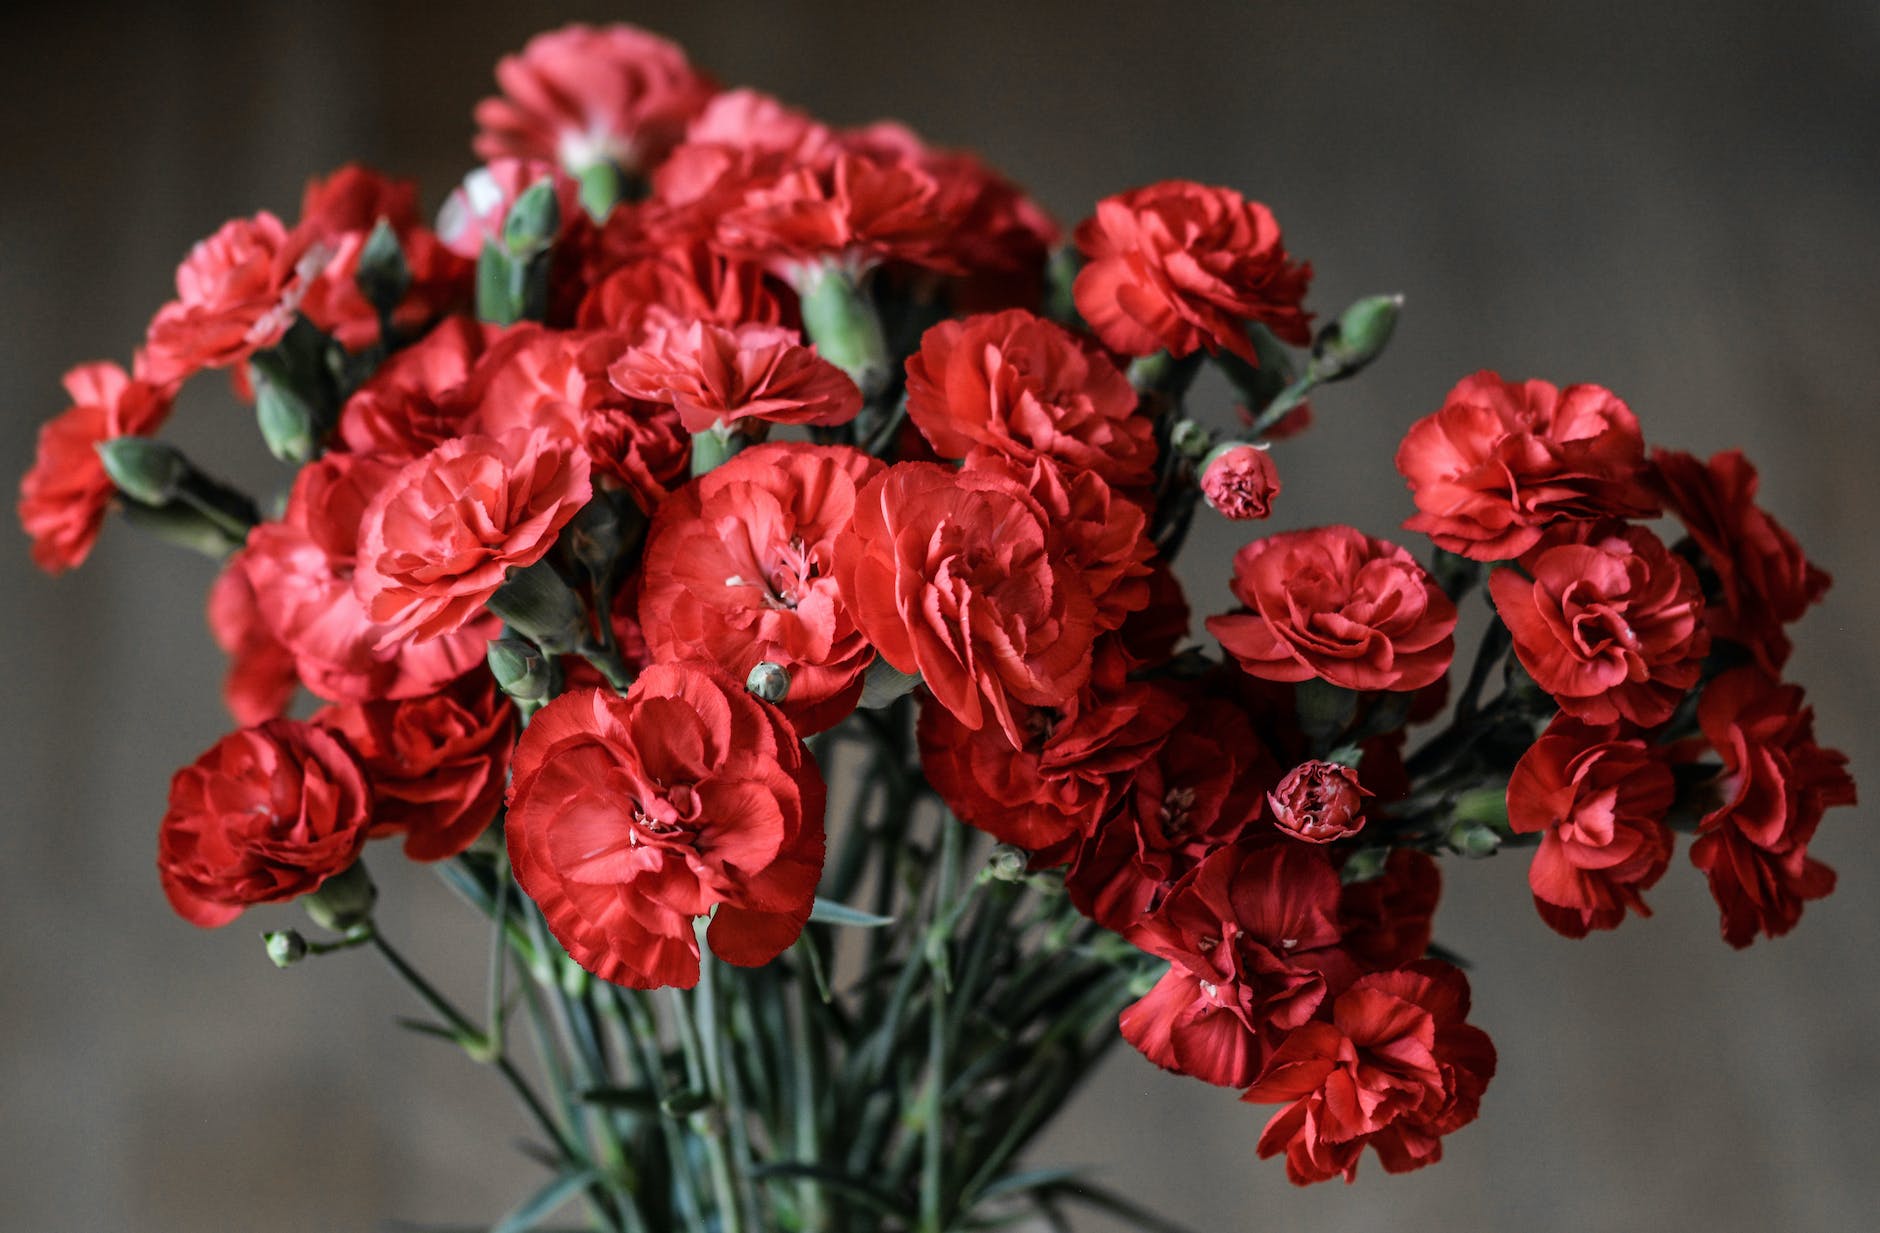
x: 1677, y: 201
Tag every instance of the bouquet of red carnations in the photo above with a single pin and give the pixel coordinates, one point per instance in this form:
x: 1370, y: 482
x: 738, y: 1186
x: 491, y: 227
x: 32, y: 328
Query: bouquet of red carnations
x: 735, y: 553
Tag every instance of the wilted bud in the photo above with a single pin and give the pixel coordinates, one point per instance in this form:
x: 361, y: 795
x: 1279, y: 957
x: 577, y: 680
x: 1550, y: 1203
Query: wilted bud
x: 840, y: 319
x: 343, y: 901
x: 1240, y: 482
x: 1007, y: 863
x: 1356, y: 338
x: 1190, y: 439
x: 521, y: 670
x: 1319, y: 802
x: 534, y: 220
x: 769, y: 682
x: 536, y: 603
x: 285, y: 947
x: 382, y: 276
x: 147, y: 471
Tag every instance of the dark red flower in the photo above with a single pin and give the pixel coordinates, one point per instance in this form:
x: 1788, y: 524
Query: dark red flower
x: 1503, y: 461
x: 719, y: 375
x: 261, y: 676
x: 1318, y: 802
x: 1607, y: 621
x: 674, y: 283
x: 64, y: 497
x: 267, y: 814
x: 1334, y: 603
x: 1387, y: 919
x: 1178, y: 266
x: 413, y: 402
x: 631, y: 817
x: 1599, y: 804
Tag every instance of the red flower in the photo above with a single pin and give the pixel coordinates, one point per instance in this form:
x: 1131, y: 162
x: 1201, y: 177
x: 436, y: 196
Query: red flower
x: 629, y: 817
x: 714, y: 374
x: 1019, y: 387
x: 1072, y: 766
x: 584, y: 95
x: 1776, y: 782
x: 1199, y: 790
x: 1241, y: 482
x: 679, y: 283
x: 413, y: 402
x: 437, y: 764
x: 1178, y: 266
x: 1387, y: 919
x: 267, y: 814
x: 1396, y: 1068
x: 443, y: 533
x: 1334, y: 603
x: 1599, y: 804
x: 301, y: 573
x: 1608, y: 621
x: 261, y: 676
x: 957, y: 576
x: 1501, y: 462
x: 1252, y: 939
x: 1318, y: 802
x: 236, y: 293
x: 1764, y: 580
x: 557, y: 380
x: 738, y: 570
x: 64, y: 497
x: 477, y: 209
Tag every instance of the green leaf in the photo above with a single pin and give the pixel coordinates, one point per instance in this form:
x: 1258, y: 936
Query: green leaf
x: 1116, y: 1205
x: 828, y: 912
x: 382, y: 275
x: 1031, y: 1179
x: 641, y: 1099
x: 841, y: 1183
x: 544, y: 1201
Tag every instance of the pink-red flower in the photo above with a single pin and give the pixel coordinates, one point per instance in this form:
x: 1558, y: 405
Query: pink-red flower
x: 269, y: 813
x: 957, y: 576
x: 1336, y: 604
x: 475, y: 212
x: 714, y: 374
x: 584, y: 95
x: 1764, y: 581
x: 1502, y: 461
x: 1599, y: 802
x: 413, y: 402
x: 261, y: 677
x: 236, y: 292
x: 64, y: 497
x: 631, y: 817
x: 1178, y: 266
x: 1393, y: 1067
x: 1019, y: 387
x: 1241, y: 482
x: 442, y: 534
x: 1387, y: 920
x: 1318, y: 802
x: 1608, y: 621
x: 739, y: 569
x: 1776, y: 784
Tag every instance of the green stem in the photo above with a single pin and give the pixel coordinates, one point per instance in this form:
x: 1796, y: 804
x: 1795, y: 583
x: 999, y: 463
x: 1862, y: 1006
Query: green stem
x: 933, y: 1159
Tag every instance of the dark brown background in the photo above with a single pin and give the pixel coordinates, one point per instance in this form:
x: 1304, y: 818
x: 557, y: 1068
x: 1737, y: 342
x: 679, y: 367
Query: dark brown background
x: 1674, y: 200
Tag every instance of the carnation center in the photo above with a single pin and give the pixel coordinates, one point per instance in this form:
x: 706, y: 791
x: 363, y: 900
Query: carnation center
x: 658, y: 817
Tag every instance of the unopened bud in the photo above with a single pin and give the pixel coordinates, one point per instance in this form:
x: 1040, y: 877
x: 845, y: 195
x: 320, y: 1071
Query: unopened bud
x: 534, y: 220
x: 1319, y: 802
x: 1240, y: 481
x: 285, y: 947
x: 602, y: 187
x: 1007, y: 863
x: 286, y: 421
x: 383, y: 276
x: 536, y: 603
x: 344, y: 900
x: 1356, y: 338
x: 147, y: 471
x: 1190, y: 439
x: 1472, y: 839
x: 840, y: 319
x: 768, y: 681
x: 521, y: 671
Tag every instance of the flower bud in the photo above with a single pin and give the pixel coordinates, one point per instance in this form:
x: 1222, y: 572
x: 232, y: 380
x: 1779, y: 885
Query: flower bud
x: 1473, y: 839
x: 534, y: 220
x: 603, y: 186
x: 1007, y: 863
x: 1240, y: 482
x: 1319, y: 802
x: 840, y: 319
x: 769, y: 682
x: 1190, y: 439
x: 1356, y: 338
x: 383, y: 276
x: 285, y: 947
x: 521, y: 671
x: 286, y: 421
x: 343, y: 901
x: 536, y: 603
x: 147, y: 471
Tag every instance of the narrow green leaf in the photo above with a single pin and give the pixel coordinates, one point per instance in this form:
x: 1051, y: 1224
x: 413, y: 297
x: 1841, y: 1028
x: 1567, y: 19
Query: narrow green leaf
x: 641, y: 1099
x: 544, y: 1201
x: 827, y: 912
x: 841, y: 1183
x: 1116, y: 1205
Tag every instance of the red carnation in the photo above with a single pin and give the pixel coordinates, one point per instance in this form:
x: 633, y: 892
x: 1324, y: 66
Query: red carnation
x: 1252, y: 939
x: 1599, y: 804
x: 682, y: 282
x: 713, y: 374
x: 236, y: 293
x: 1387, y: 919
x: 267, y: 814
x: 437, y: 764
x: 478, y: 208
x: 443, y: 533
x: 1240, y: 482
x: 738, y: 569
x: 1776, y: 784
x: 64, y: 497
x: 584, y: 95
x: 261, y: 676
x: 1608, y: 621
x: 1334, y: 603
x: 1178, y: 266
x: 1503, y: 461
x: 1019, y: 387
x: 1395, y: 1068
x: 1764, y: 580
x: 1318, y: 802
x: 630, y: 817
x: 958, y: 576
x: 413, y: 402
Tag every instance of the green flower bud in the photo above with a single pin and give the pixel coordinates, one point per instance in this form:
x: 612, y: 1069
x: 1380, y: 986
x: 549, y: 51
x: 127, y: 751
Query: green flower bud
x: 1007, y: 863
x: 1190, y: 439
x: 343, y: 901
x: 840, y: 319
x: 1364, y: 864
x: 285, y: 947
x: 768, y: 681
x: 383, y: 276
x: 1472, y: 839
x: 1356, y: 338
x: 603, y: 186
x: 286, y: 421
x: 534, y: 220
x: 147, y: 471
x: 536, y: 603
x: 521, y: 671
